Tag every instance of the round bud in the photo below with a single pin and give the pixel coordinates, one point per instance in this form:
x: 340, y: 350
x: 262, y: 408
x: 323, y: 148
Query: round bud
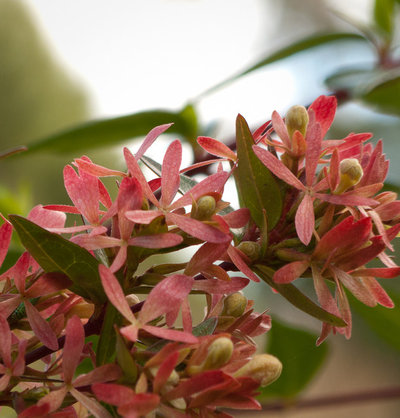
x: 264, y: 368
x: 234, y: 305
x: 350, y: 174
x: 132, y: 299
x: 297, y: 120
x: 204, y: 208
x: 251, y: 249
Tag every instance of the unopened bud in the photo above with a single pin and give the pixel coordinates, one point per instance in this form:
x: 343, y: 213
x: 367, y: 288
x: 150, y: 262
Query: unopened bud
x: 297, y: 120
x: 218, y: 354
x: 251, y: 249
x: 263, y: 368
x: 234, y: 305
x: 132, y: 299
x: 204, y: 208
x: 350, y: 174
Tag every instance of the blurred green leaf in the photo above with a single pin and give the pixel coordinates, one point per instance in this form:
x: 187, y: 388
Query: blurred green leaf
x: 299, y: 355
x: 297, y: 298
x: 383, y: 321
x: 106, y: 132
x: 256, y: 186
x: 384, y: 16
x: 206, y: 327
x: 56, y: 254
x: 295, y: 48
x: 384, y: 96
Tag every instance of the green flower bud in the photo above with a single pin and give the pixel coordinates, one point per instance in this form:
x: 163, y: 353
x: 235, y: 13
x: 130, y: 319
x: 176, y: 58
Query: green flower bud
x: 204, y: 208
x: 263, y: 368
x: 297, y: 120
x: 219, y: 353
x: 351, y: 173
x: 251, y: 249
x: 234, y: 305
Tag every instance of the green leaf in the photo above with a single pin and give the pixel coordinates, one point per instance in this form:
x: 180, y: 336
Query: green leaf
x: 106, y: 132
x: 300, y: 357
x: 295, y: 48
x: 256, y: 186
x: 56, y: 254
x: 383, y: 321
x: 107, y: 341
x: 384, y: 96
x: 297, y: 298
x: 207, y: 327
x: 384, y: 16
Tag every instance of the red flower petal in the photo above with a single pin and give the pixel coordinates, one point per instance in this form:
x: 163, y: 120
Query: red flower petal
x: 167, y: 295
x: 74, y: 342
x: 291, y: 271
x: 5, y: 239
x: 156, y: 241
x: 170, y: 173
x: 150, y: 138
x: 324, y: 108
x: 214, y: 147
x: 304, y: 219
x: 277, y: 167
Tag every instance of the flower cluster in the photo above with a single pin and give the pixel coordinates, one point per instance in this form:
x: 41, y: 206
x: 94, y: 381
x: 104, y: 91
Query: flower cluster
x: 143, y: 359
x: 335, y: 219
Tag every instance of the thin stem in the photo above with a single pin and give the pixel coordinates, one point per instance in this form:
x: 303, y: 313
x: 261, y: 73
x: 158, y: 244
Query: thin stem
x: 334, y: 400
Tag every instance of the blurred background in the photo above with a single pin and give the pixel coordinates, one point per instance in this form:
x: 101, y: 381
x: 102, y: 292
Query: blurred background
x: 89, y: 77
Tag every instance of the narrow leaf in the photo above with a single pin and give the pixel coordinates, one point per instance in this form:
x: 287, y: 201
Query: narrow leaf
x: 297, y: 298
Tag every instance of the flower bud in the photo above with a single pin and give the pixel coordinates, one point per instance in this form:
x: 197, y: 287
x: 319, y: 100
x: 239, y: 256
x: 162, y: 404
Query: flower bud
x: 350, y: 174
x: 132, y: 299
x: 204, y: 208
x: 234, y: 305
x: 218, y: 354
x: 263, y: 368
x: 250, y: 248
x: 297, y: 120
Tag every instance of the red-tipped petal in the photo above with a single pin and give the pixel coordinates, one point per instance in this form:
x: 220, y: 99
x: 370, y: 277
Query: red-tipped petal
x: 277, y: 167
x: 238, y: 218
x: 143, y: 216
x: 291, y: 271
x: 170, y: 173
x: 215, y: 286
x: 5, y: 239
x: 115, y: 293
x: 205, y: 256
x: 304, y: 220
x: 171, y: 334
x: 214, y: 147
x: 166, y: 296
x: 211, y: 184
x: 100, y: 374
x: 74, y: 342
x: 164, y: 371
x: 5, y: 341
x: 47, y: 218
x: 197, y: 228
x: 136, y: 172
x: 237, y: 259
x: 40, y: 327
x: 112, y: 393
x: 378, y: 292
x: 324, y: 108
x: 313, y: 151
x: 383, y: 272
x: 150, y: 138
x: 156, y: 241
x: 97, y: 170
x: 280, y: 128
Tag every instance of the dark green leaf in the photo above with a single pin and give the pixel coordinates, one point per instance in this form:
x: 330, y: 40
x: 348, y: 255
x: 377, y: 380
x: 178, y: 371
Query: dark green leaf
x: 256, y: 186
x: 383, y: 321
x: 297, y: 298
x: 56, y: 254
x: 383, y: 16
x: 300, y: 46
x: 299, y: 355
x: 106, y: 132
x: 107, y: 341
x: 207, y: 327
x: 384, y: 96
